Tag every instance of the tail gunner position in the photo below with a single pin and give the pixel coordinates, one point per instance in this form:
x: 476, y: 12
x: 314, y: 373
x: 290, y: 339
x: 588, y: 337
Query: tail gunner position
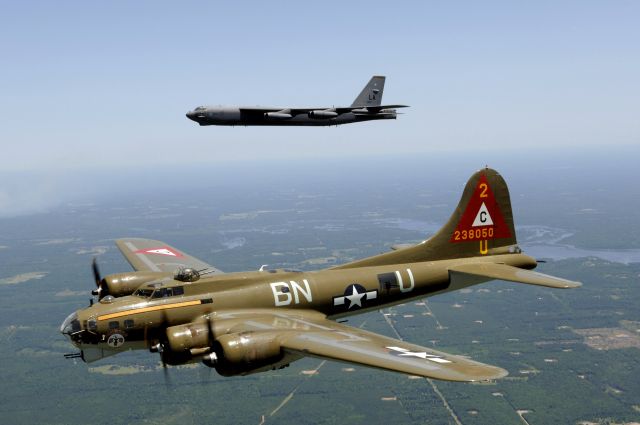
x: 241, y: 323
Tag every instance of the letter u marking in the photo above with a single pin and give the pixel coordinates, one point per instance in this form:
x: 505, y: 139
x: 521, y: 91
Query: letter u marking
x: 401, y: 282
x: 484, y: 247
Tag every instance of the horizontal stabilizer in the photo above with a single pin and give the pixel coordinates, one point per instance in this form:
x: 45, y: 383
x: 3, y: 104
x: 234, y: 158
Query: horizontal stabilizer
x: 512, y: 274
x: 375, y: 109
x: 388, y: 107
x: 401, y: 246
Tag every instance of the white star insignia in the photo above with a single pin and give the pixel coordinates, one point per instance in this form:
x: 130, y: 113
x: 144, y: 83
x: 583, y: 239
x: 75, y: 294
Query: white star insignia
x: 355, y: 298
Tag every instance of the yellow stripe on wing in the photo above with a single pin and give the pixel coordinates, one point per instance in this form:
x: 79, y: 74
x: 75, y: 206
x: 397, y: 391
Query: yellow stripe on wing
x: 147, y: 309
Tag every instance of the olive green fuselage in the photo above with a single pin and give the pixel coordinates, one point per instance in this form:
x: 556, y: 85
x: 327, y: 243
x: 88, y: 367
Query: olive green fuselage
x: 139, y: 321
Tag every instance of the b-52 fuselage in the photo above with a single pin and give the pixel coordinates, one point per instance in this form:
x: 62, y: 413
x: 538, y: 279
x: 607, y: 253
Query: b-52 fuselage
x: 366, y: 107
x: 247, y: 322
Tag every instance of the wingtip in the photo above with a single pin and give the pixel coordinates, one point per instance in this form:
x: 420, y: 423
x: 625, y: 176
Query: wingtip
x: 501, y: 374
x: 481, y: 372
x: 572, y: 284
x: 498, y: 373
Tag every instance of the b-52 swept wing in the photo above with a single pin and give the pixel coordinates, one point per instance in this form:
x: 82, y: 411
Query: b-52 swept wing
x: 248, y: 322
x: 366, y: 107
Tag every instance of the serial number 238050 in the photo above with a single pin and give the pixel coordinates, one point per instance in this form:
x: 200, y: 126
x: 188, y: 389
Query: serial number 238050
x: 473, y: 234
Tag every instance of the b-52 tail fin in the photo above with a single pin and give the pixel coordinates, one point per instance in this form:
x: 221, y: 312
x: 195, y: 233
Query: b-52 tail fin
x: 371, y: 94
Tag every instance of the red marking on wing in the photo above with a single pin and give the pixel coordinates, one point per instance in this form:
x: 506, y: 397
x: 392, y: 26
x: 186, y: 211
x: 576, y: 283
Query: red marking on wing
x: 162, y: 250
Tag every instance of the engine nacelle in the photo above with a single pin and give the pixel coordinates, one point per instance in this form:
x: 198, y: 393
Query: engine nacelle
x: 322, y: 115
x: 249, y: 352
x: 249, y: 347
x: 188, y: 337
x: 121, y: 284
x: 277, y: 116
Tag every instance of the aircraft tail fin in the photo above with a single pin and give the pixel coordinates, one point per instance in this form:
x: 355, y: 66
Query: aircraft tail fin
x: 371, y: 94
x: 482, y: 224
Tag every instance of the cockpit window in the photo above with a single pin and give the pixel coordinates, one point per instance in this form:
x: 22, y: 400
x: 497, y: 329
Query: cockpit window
x: 144, y: 293
x: 168, y: 292
x: 200, y: 108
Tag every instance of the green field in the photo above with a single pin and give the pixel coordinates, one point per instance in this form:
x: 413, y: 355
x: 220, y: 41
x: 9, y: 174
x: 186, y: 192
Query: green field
x: 572, y: 355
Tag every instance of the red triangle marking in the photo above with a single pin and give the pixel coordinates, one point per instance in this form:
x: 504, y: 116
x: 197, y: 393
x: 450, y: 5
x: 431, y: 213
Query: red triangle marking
x: 162, y: 250
x: 465, y: 231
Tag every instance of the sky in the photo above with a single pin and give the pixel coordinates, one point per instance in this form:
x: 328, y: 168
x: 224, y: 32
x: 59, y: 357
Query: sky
x: 106, y: 85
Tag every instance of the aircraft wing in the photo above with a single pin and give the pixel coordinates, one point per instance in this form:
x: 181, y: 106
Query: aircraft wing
x: 292, y: 111
x: 260, y: 109
x: 150, y: 255
x: 312, y: 334
x: 305, y: 110
x: 512, y: 274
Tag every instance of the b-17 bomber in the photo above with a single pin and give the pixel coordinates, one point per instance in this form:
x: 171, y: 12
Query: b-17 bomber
x: 366, y: 107
x: 246, y: 322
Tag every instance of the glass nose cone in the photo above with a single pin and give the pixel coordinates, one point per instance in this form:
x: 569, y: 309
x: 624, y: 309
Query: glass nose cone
x: 70, y: 324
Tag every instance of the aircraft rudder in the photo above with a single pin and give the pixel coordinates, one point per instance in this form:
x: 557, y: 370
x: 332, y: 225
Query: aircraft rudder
x: 371, y: 94
x: 482, y: 223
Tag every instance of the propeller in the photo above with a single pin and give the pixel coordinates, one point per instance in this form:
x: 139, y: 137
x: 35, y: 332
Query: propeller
x: 96, y: 271
x: 162, y: 349
x: 101, y: 289
x: 212, y: 358
x: 165, y: 370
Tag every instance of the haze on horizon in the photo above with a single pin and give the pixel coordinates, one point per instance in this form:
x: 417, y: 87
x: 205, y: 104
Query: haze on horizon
x: 93, y: 84
x: 91, y: 89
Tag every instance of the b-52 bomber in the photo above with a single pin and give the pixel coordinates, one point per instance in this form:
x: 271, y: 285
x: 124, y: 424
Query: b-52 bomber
x: 366, y: 107
x: 241, y: 323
